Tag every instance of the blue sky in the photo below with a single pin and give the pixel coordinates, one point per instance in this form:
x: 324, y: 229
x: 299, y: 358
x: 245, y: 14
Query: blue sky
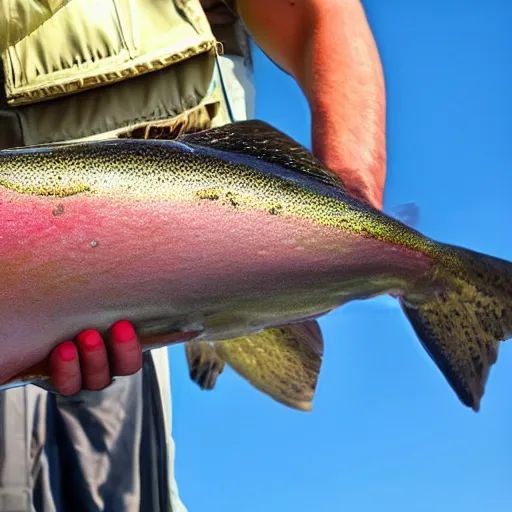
x: 386, y: 433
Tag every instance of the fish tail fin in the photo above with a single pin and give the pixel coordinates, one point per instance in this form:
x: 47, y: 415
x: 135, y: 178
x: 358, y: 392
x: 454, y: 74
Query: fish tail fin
x: 204, y: 364
x: 462, y: 317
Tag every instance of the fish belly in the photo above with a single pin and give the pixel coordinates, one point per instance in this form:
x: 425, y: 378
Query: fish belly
x: 85, y: 261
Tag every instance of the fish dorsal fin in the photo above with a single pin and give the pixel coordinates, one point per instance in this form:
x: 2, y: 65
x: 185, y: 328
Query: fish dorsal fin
x: 282, y: 362
x: 263, y: 142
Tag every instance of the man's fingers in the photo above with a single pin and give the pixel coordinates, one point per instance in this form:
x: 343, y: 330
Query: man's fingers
x: 94, y: 360
x: 65, y: 369
x: 92, y: 370
x: 125, y: 350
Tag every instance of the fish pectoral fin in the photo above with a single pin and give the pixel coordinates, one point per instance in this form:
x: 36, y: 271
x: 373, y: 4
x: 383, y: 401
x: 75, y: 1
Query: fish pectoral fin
x: 36, y: 372
x: 282, y: 362
x: 159, y: 332
x: 152, y: 341
x: 204, y: 363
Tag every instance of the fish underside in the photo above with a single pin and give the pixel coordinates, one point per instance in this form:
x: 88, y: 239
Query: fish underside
x: 233, y: 240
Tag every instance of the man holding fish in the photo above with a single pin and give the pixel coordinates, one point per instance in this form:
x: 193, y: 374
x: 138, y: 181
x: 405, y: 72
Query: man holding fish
x: 146, y: 73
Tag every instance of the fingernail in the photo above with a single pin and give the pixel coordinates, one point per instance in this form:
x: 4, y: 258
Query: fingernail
x: 67, y: 351
x: 123, y: 331
x: 90, y: 339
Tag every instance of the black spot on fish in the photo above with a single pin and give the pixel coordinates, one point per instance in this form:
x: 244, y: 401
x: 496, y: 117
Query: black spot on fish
x: 59, y: 210
x: 232, y: 199
x: 275, y: 210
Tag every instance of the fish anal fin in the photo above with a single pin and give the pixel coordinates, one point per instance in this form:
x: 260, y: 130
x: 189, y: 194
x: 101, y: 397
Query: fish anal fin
x: 282, y: 362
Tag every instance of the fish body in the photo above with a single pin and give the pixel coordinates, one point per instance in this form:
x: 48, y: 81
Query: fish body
x: 222, y: 234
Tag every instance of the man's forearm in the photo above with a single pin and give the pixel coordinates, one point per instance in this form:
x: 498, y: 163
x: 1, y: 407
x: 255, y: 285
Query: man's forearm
x: 328, y: 47
x: 347, y: 98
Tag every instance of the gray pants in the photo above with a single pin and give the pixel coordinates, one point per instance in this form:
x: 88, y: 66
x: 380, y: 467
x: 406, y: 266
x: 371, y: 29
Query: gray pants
x: 94, y: 451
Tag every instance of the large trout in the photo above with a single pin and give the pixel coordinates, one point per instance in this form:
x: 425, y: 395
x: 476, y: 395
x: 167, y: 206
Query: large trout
x: 233, y: 240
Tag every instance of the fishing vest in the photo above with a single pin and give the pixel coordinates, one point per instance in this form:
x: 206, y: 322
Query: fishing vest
x: 84, y: 69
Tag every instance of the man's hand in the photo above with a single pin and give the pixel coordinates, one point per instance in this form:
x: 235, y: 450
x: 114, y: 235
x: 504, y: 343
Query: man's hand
x: 89, y: 363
